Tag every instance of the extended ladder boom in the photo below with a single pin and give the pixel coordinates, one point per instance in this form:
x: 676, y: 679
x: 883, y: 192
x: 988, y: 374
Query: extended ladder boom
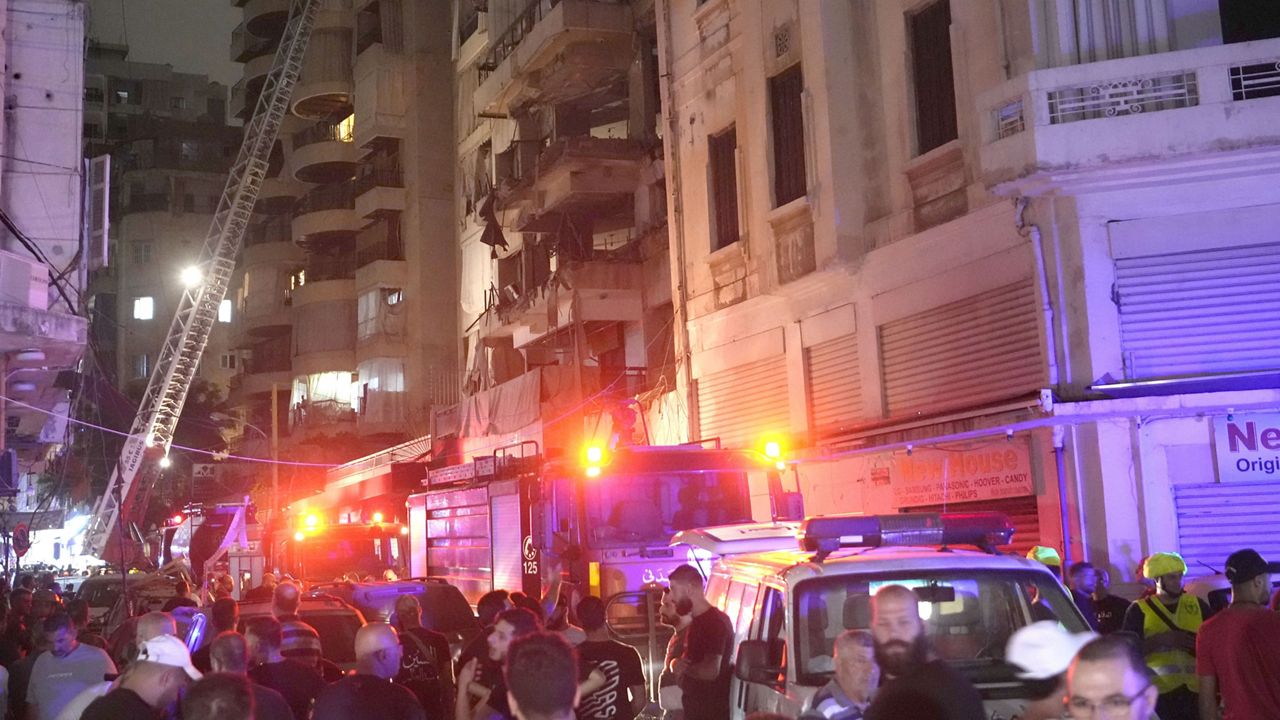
x: 152, y: 432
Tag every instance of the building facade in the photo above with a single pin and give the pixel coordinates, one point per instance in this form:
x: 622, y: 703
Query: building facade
x: 1010, y: 256
x: 42, y: 264
x: 565, y: 289
x: 350, y: 260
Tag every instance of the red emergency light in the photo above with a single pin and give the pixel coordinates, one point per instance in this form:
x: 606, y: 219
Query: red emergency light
x: 176, y: 519
x: 826, y: 534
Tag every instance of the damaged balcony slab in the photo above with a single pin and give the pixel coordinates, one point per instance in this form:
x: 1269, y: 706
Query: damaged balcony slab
x: 62, y: 337
x: 577, y: 175
x: 556, y: 53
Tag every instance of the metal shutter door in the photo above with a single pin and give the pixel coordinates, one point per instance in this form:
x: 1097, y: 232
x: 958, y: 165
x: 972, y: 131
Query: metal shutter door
x: 458, y: 540
x: 835, y: 385
x: 1201, y: 312
x: 1022, y: 511
x: 1218, y: 519
x: 982, y: 348
x: 507, y: 573
x: 739, y: 404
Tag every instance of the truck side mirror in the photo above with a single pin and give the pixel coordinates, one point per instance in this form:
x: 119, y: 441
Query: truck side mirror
x: 754, y: 664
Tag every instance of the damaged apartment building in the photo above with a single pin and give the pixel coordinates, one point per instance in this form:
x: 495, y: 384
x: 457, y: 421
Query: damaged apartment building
x: 565, y: 297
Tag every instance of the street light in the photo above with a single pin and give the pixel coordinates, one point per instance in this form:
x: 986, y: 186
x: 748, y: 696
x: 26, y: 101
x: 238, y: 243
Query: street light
x: 165, y: 462
x: 191, y: 276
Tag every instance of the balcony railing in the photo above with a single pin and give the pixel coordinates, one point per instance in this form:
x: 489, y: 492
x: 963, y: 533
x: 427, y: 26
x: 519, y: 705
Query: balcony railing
x: 368, y: 31
x: 324, y: 132
x: 372, y: 175
x: 510, y: 39
x: 327, y: 197
x: 321, y: 269
x: 321, y: 412
x: 270, y: 358
x: 469, y: 26
x: 269, y: 233
x: 379, y: 243
x: 246, y: 46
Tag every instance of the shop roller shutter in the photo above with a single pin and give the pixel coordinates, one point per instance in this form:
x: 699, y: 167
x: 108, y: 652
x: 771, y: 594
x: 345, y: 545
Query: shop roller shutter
x: 740, y: 404
x: 835, y: 385
x: 1202, y: 312
x: 1217, y: 519
x: 506, y: 543
x: 980, y: 349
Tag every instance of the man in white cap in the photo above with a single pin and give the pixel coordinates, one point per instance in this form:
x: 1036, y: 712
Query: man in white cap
x: 151, y: 687
x: 1043, y: 651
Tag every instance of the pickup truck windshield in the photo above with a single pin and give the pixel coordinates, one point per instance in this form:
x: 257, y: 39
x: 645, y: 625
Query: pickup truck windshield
x: 649, y: 509
x: 968, y: 615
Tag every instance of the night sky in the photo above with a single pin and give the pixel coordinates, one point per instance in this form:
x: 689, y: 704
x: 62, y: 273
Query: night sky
x: 191, y: 35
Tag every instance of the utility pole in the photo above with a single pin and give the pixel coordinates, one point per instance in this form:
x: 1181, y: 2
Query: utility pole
x: 275, y: 453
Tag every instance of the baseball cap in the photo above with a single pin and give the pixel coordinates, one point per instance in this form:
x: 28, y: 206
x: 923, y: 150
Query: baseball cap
x: 1044, y: 649
x: 168, y: 650
x: 1245, y: 565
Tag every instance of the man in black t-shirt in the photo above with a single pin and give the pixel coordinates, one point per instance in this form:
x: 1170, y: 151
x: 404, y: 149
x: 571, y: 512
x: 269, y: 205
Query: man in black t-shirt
x: 369, y: 692
x: 1083, y: 578
x: 476, y: 702
x: 919, y: 684
x: 298, y: 683
x: 426, y: 664
x: 620, y: 664
x: 1111, y: 608
x: 703, y: 672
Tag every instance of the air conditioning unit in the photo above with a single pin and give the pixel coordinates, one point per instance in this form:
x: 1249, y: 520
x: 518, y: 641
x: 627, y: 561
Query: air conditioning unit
x: 23, y: 281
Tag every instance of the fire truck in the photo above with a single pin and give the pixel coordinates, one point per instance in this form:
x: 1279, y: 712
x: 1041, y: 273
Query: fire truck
x: 606, y: 517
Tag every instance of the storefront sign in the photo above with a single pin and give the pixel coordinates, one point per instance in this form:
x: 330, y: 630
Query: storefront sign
x: 929, y: 476
x: 1248, y: 447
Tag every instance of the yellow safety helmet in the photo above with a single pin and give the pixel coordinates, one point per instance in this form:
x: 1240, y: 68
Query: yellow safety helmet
x: 1163, y: 563
x: 1045, y: 555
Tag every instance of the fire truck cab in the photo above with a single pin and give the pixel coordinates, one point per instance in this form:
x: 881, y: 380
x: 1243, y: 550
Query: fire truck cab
x: 607, y: 516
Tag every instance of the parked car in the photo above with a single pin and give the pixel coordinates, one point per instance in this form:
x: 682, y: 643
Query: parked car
x: 444, y: 608
x: 335, y: 620
x: 108, y: 609
x: 1215, y: 590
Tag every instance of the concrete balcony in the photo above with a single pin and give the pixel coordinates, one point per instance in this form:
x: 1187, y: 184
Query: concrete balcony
x: 606, y: 291
x: 248, y: 385
x: 266, y: 18
x: 1135, y: 122
x: 578, y: 175
x: 280, y: 194
x: 379, y: 189
x: 555, y: 52
x: 325, y: 87
x: 246, y: 46
x: 379, y: 244
x: 323, y: 153
x: 381, y: 96
x: 328, y: 210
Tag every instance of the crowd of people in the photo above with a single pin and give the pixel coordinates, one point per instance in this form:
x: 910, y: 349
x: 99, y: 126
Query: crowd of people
x: 1165, y: 655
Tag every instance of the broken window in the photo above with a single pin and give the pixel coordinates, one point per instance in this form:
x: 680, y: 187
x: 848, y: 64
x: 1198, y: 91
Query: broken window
x: 787, y: 110
x: 935, y: 92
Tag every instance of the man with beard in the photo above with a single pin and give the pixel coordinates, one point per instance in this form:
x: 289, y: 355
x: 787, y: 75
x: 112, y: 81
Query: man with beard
x: 1168, y: 623
x: 703, y: 671
x: 916, y: 678
x: 510, y: 625
x: 1111, y: 608
x: 669, y: 695
x: 1083, y: 578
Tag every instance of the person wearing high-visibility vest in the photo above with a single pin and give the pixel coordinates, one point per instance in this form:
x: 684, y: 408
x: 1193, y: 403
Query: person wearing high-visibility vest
x: 1167, y: 623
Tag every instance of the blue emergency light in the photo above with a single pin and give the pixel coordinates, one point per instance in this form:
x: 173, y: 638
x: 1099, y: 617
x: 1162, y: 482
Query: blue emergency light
x: 826, y: 534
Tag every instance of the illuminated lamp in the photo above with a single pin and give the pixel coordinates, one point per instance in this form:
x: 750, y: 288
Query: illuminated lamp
x: 176, y: 519
x: 377, y: 517
x: 312, y: 520
x: 593, y: 458
x: 165, y: 462
x: 404, y: 530
x: 299, y: 536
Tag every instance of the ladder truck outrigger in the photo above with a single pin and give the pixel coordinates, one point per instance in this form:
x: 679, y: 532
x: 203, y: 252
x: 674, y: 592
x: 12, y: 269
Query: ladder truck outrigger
x: 112, y: 533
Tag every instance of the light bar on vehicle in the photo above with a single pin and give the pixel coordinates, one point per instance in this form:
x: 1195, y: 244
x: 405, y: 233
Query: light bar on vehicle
x: 826, y: 534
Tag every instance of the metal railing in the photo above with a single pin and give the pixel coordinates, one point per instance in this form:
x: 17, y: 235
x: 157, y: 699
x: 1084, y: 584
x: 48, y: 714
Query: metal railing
x: 372, y: 175
x: 268, y: 233
x: 269, y: 358
x: 323, y: 132
x: 327, y: 197
x: 321, y: 412
x: 320, y: 269
x: 510, y: 39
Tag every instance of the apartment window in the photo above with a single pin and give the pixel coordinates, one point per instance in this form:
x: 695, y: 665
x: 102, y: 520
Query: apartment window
x: 227, y: 361
x: 393, y: 296
x: 188, y: 203
x: 935, y: 92
x: 224, y: 310
x: 177, y: 103
x: 367, y: 313
x: 141, y: 365
x: 144, y: 308
x: 141, y: 253
x: 787, y: 111
x: 1245, y: 20
x: 722, y: 150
